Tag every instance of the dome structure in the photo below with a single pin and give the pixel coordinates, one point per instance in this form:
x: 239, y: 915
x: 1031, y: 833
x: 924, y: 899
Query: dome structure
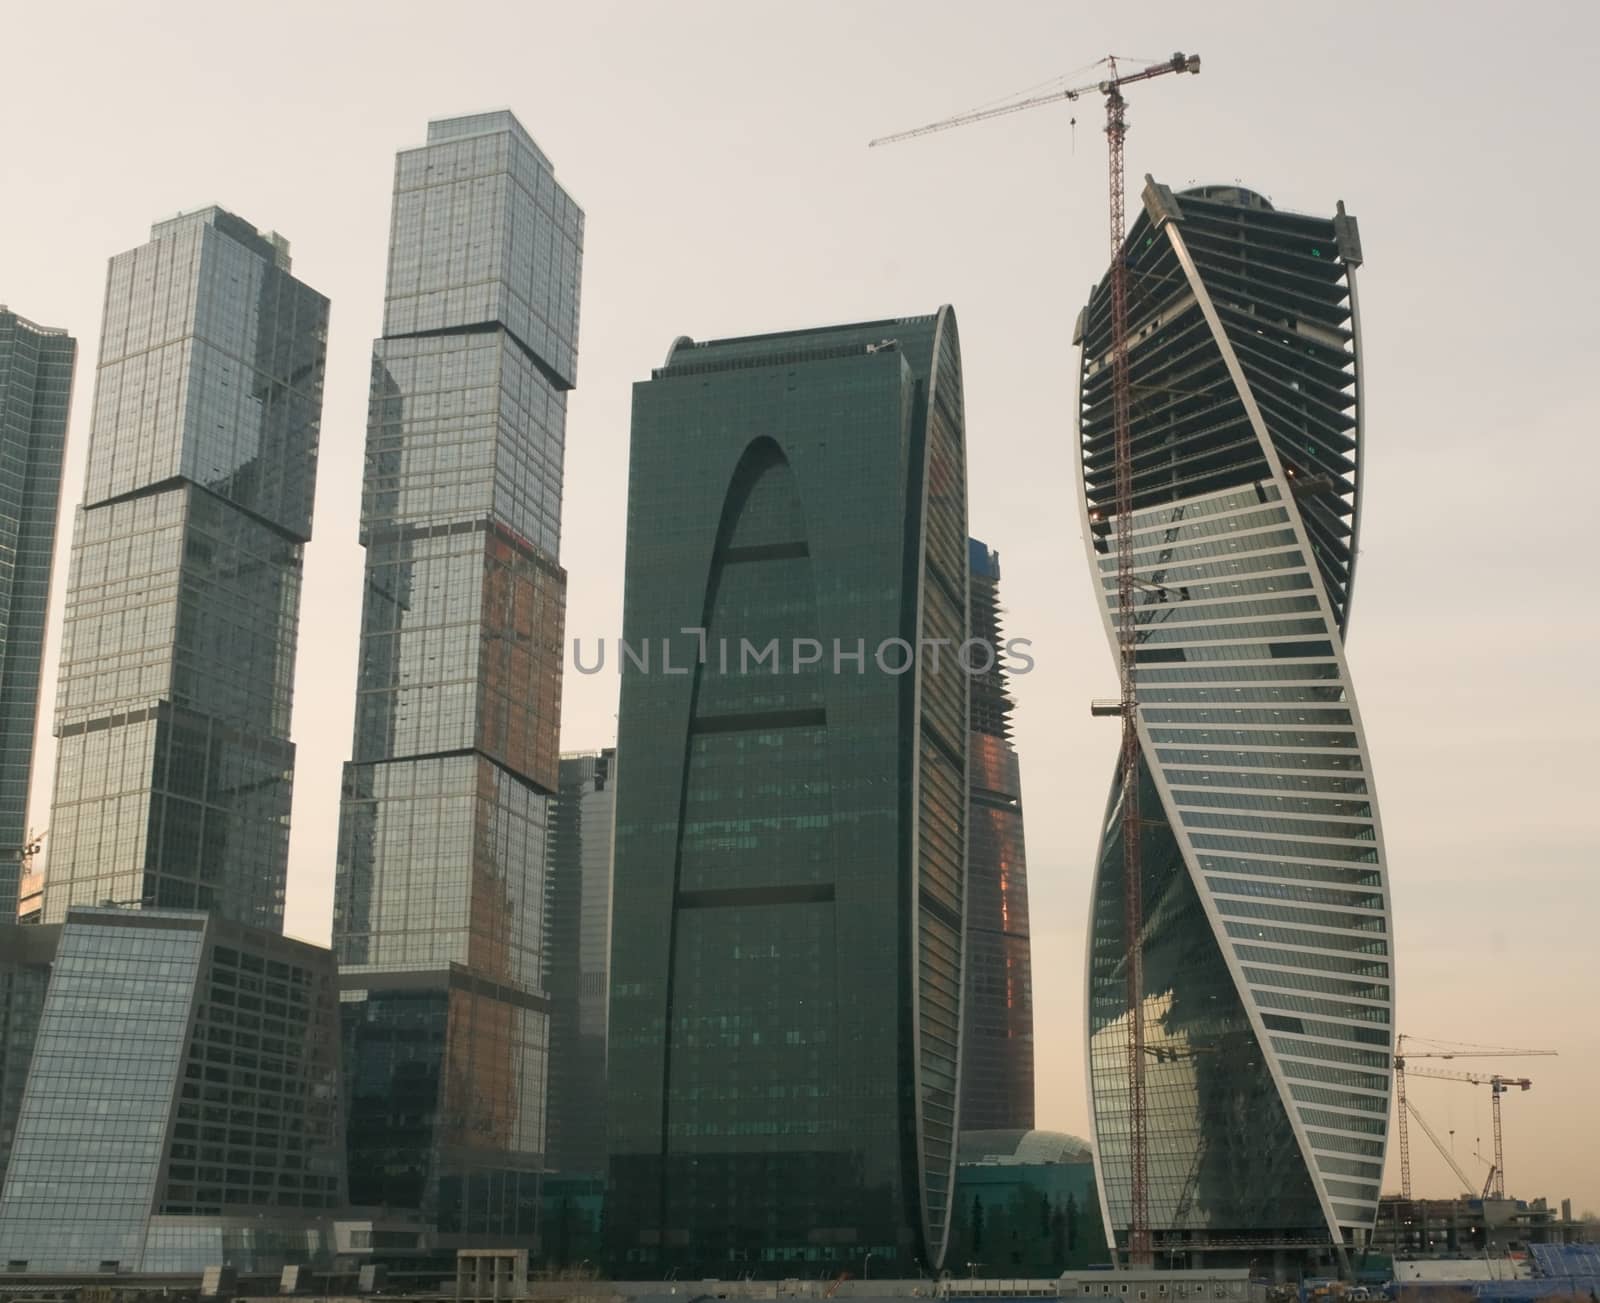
x: 1022, y: 1147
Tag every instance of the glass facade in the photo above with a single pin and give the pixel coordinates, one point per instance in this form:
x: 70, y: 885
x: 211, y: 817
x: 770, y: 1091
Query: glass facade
x: 791, y: 843
x: 1026, y: 1205
x: 174, y: 768
x: 1268, y: 995
x: 578, y: 957
x: 26, y: 953
x: 183, y: 1100
x: 439, y: 911
x: 36, y: 365
x: 997, y: 1044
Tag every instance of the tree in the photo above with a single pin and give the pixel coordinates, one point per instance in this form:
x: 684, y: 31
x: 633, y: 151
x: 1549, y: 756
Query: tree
x: 1072, y: 1223
x: 977, y: 1225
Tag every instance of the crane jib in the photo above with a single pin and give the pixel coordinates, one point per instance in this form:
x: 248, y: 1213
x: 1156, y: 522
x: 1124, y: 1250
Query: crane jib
x: 1139, y: 1248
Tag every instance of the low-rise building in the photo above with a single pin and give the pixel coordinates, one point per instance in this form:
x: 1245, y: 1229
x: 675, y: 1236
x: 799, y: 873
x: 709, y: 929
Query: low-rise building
x: 182, y: 1103
x: 1025, y: 1205
x: 1441, y: 1227
x: 25, y: 957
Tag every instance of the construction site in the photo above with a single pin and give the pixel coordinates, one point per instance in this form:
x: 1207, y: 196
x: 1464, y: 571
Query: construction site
x: 1484, y: 1233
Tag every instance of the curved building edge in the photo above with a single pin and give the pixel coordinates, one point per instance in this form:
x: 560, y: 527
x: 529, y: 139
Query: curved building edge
x: 936, y: 1234
x: 1220, y: 339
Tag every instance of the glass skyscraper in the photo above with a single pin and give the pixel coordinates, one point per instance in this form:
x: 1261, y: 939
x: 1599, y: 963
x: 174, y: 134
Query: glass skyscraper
x: 997, y: 1047
x: 578, y: 959
x: 181, y: 1098
x: 36, y: 364
x: 791, y: 822
x: 1268, y: 996
x: 438, y: 912
x: 182, y: 1107
x: 174, y: 768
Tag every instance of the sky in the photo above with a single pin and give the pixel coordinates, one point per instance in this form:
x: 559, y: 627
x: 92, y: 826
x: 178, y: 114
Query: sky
x: 719, y: 152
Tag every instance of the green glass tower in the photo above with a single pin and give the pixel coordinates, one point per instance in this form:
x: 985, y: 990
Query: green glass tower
x: 790, y: 871
x: 35, y: 391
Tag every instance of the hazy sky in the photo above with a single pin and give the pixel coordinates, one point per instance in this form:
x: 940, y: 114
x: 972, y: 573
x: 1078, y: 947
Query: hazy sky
x: 719, y: 152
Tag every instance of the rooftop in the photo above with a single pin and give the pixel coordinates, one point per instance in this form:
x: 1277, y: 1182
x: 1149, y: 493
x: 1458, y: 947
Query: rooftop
x: 269, y: 244
x: 1019, y: 1147
x: 487, y: 123
x: 781, y: 346
x: 1229, y: 194
x: 33, y: 326
x: 983, y: 560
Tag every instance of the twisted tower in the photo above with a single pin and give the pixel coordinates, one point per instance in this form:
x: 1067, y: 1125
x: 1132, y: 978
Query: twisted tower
x: 1266, y: 936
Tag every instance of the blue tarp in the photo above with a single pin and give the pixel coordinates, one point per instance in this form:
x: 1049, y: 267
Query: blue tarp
x: 1566, y: 1260
x: 1502, y: 1291
x: 1520, y: 1291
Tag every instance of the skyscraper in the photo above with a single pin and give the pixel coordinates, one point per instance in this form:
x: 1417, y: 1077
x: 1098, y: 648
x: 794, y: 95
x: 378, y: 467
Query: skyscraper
x: 174, y: 768
x: 997, y: 1047
x: 180, y: 1105
x: 791, y: 839
x: 578, y: 959
x: 438, y: 913
x: 36, y: 365
x: 1267, y: 964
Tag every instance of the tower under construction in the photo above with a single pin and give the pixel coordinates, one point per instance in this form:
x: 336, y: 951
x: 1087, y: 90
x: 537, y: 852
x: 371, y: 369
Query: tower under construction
x: 1265, y: 931
x: 997, y: 1041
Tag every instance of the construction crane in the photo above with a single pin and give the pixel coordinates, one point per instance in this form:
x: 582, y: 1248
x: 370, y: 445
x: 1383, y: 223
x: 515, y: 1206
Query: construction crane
x: 30, y: 888
x: 1432, y: 1049
x: 1108, y: 86
x: 1488, y: 1181
x: 1139, y: 1240
x: 1466, y: 1181
x: 1498, y: 1086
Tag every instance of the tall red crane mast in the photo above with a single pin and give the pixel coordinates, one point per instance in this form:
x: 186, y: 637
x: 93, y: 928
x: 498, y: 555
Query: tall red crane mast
x: 1140, y: 1252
